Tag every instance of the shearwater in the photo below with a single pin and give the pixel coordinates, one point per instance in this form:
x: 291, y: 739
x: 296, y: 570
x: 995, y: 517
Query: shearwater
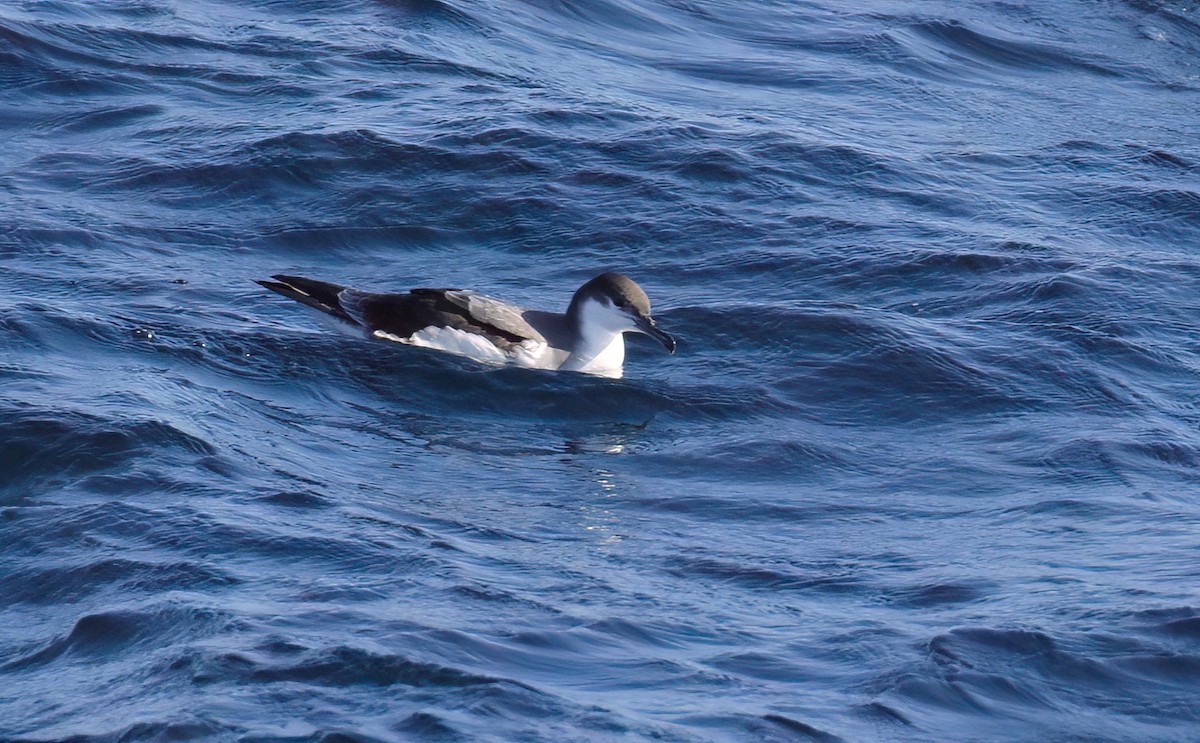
x: 588, y: 337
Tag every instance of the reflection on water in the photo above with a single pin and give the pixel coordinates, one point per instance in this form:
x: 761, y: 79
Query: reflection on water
x: 601, y: 483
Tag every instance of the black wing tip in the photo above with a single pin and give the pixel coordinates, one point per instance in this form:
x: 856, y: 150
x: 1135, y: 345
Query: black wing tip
x: 280, y: 285
x: 291, y: 285
x: 282, y: 279
x: 316, y: 294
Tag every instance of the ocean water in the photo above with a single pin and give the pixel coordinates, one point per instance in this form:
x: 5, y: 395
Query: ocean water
x: 925, y: 467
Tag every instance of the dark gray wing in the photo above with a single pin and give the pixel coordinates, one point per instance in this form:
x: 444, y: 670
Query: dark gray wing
x: 495, y: 313
x: 401, y: 315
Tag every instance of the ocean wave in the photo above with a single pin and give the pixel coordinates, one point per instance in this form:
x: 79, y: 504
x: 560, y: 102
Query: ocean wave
x: 923, y: 460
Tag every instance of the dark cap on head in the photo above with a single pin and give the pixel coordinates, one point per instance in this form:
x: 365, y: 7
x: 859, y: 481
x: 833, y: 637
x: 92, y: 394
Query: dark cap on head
x: 622, y: 290
x: 625, y: 294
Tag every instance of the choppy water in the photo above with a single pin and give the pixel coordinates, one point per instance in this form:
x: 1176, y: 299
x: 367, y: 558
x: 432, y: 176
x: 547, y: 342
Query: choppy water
x: 925, y: 467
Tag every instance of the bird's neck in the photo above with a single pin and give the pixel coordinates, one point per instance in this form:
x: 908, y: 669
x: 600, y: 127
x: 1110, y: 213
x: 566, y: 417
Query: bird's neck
x: 599, y: 346
x: 598, y: 352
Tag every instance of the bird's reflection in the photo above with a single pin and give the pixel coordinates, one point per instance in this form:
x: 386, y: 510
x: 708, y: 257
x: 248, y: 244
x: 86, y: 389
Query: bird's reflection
x: 613, y: 439
x: 603, y: 483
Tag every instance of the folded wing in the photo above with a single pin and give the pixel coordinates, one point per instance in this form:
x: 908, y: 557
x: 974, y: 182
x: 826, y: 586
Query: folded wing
x: 403, y: 316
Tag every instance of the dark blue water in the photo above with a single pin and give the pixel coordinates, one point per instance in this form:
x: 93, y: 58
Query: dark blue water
x: 925, y: 467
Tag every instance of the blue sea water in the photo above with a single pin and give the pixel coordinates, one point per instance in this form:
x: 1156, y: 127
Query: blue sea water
x: 924, y: 468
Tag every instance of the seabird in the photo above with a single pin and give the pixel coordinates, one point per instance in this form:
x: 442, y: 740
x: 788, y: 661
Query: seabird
x: 589, y: 338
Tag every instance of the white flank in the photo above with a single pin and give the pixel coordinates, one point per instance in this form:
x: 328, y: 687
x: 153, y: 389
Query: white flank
x: 532, y: 354
x: 452, y: 340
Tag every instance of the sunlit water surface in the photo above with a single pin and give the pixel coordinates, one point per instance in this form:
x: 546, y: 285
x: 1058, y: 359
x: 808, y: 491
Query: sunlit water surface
x: 924, y: 468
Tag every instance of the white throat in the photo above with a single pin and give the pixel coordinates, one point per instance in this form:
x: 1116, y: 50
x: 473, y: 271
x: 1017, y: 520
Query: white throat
x: 600, y: 348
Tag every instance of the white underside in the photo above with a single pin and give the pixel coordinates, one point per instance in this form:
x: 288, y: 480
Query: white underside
x: 604, y: 356
x: 530, y: 354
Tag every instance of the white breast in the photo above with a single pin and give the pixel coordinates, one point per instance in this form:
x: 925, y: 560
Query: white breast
x: 601, y: 345
x: 607, y: 362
